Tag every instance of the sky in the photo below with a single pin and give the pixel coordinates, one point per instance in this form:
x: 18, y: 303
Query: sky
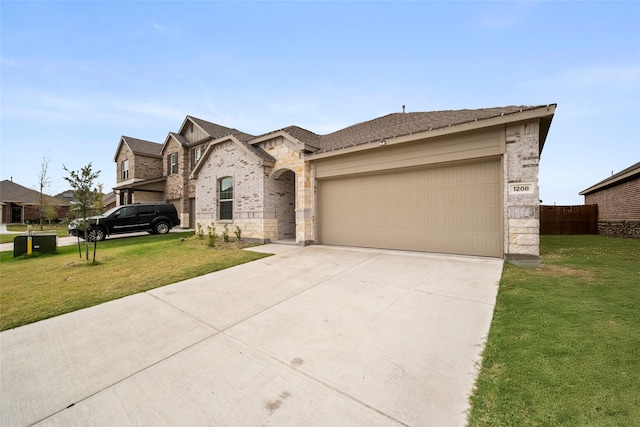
x: 76, y: 76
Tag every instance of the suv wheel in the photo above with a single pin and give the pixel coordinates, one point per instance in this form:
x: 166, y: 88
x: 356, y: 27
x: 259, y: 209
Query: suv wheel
x: 96, y: 234
x: 161, y: 228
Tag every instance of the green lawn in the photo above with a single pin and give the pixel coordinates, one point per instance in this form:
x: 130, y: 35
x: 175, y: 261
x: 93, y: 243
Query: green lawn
x: 38, y: 287
x: 60, y: 229
x: 564, y: 345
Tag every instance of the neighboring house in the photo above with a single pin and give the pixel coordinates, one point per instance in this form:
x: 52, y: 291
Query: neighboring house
x: 618, y: 200
x: 149, y: 171
x: 109, y: 200
x: 21, y: 204
x: 460, y: 182
x: 182, y: 151
x: 139, y: 171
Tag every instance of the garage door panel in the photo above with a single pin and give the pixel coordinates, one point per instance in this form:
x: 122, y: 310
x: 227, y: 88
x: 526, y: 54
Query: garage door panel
x: 452, y: 209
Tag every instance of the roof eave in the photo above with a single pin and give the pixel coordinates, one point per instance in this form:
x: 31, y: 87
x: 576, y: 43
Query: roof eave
x: 519, y: 116
x: 122, y: 141
x: 609, y: 182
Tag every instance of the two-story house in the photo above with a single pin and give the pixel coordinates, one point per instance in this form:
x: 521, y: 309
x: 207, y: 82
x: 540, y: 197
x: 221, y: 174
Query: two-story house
x: 149, y: 171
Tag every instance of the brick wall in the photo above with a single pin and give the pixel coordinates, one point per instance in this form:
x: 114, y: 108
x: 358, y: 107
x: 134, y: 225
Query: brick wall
x: 176, y: 187
x: 140, y: 167
x: 145, y: 167
x: 617, y: 203
x: 125, y: 153
x: 227, y: 159
x: 522, y: 208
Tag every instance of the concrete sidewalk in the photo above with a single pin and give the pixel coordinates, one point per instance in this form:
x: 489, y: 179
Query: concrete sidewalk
x: 311, y: 336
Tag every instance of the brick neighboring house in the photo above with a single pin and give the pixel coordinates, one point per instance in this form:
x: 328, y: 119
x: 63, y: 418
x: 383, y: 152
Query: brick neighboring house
x: 139, y: 171
x: 618, y: 200
x: 148, y: 171
x: 461, y: 182
x: 21, y: 204
x: 181, y: 152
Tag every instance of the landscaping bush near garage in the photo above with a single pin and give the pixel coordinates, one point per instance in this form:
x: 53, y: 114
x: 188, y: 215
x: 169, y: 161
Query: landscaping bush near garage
x: 38, y: 287
x: 564, y: 345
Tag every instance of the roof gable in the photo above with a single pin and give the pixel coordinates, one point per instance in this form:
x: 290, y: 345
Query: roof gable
x: 215, y: 131
x: 139, y: 147
x: 304, y: 139
x: 176, y: 136
x: 260, y: 155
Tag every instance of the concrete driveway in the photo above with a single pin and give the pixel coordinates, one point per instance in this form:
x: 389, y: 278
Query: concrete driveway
x: 311, y: 336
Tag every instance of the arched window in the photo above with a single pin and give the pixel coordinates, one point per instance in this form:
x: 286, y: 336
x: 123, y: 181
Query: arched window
x: 225, y: 198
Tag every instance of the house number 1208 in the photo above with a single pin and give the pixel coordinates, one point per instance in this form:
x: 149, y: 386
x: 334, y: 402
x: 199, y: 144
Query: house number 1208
x: 521, y: 188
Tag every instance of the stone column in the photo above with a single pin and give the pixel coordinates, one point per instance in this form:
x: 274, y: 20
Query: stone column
x: 521, y: 192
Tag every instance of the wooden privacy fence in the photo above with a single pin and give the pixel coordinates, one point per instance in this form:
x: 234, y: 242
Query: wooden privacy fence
x: 580, y: 219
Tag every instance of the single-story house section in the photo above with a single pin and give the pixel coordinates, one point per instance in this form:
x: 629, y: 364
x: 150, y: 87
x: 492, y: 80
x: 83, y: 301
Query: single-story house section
x: 618, y: 200
x: 458, y: 182
x: 21, y: 204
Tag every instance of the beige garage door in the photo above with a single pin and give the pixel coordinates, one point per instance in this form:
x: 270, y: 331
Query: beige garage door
x: 454, y: 209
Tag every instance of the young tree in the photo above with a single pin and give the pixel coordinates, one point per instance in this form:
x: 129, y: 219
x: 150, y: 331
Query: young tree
x: 43, y: 182
x: 86, y: 196
x: 50, y: 213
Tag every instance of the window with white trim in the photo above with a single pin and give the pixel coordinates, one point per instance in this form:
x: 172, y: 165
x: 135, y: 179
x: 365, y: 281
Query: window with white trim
x: 124, y: 165
x: 196, y: 154
x: 225, y: 198
x: 173, y: 163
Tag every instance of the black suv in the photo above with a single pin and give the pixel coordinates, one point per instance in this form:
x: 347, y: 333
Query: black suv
x: 152, y: 217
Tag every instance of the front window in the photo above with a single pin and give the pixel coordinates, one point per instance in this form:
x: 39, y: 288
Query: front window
x: 196, y: 153
x: 173, y: 163
x: 125, y: 169
x: 225, y: 197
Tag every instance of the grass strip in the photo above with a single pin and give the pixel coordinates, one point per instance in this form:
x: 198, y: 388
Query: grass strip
x: 564, y: 345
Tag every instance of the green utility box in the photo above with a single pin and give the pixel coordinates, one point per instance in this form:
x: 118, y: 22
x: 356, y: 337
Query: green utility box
x: 42, y: 243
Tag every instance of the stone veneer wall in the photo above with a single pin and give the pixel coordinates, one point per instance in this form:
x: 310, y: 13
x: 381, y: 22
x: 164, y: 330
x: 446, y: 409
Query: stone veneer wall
x: 289, y: 157
x: 522, y: 209
x: 628, y: 229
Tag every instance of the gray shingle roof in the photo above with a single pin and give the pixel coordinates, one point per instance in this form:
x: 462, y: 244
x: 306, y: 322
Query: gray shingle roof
x: 399, y: 124
x: 140, y: 146
x: 12, y: 192
x: 259, y: 152
x: 181, y: 139
x: 304, y: 135
x: 394, y: 125
x: 217, y: 131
